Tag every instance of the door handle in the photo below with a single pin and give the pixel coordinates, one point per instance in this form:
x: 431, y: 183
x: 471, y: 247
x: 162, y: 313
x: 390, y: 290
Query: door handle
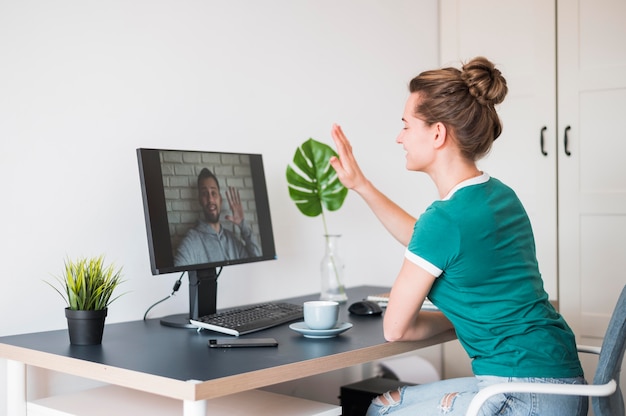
x: 566, y: 141
x: 542, y: 141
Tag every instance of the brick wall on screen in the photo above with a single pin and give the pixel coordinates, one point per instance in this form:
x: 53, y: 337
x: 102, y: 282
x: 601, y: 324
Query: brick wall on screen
x: 180, y: 179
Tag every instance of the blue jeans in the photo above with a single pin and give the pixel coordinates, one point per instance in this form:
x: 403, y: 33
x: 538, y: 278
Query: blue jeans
x: 452, y: 397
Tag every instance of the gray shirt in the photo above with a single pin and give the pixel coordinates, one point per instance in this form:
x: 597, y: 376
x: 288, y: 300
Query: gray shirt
x: 202, y: 245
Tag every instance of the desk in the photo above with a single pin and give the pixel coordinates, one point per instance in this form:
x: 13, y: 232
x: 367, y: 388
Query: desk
x: 176, y: 363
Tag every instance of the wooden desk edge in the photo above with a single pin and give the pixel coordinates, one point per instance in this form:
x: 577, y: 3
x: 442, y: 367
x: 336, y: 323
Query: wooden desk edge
x: 163, y: 386
x: 210, y: 389
x: 261, y: 378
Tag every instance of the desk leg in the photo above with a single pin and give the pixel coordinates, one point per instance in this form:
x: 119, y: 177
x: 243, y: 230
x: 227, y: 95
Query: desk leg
x: 194, y: 408
x: 16, y: 388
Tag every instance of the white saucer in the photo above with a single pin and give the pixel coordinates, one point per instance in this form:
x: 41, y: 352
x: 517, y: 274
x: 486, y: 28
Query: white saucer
x: 303, y: 329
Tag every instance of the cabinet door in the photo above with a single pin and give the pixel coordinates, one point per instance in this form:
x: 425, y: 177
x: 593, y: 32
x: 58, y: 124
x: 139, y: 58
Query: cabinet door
x: 519, y: 37
x: 592, y: 175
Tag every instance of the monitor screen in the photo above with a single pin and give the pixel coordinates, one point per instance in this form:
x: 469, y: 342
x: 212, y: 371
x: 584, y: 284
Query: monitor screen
x: 203, y: 211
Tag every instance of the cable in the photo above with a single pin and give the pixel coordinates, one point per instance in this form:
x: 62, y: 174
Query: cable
x: 174, y: 290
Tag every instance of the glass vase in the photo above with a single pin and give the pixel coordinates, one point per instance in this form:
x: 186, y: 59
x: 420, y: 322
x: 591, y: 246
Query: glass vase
x: 332, y: 269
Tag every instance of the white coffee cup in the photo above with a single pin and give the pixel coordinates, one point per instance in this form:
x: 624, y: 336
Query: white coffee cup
x: 321, y: 314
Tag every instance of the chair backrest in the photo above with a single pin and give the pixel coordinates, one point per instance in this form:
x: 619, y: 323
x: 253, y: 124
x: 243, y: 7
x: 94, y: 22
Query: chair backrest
x: 610, y: 361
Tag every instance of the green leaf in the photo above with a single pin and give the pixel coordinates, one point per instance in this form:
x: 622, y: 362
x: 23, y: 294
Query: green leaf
x: 313, y: 183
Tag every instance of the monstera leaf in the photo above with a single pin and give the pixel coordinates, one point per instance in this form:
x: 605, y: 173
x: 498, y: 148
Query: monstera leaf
x: 313, y: 183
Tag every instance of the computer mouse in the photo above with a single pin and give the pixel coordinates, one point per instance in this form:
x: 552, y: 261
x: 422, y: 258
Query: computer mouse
x: 365, y: 308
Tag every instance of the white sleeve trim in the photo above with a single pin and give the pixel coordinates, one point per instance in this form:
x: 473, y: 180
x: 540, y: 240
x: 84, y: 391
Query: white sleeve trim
x: 426, y: 265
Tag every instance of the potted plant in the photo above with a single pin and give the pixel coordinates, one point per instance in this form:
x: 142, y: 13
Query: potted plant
x: 87, y: 288
x: 314, y: 186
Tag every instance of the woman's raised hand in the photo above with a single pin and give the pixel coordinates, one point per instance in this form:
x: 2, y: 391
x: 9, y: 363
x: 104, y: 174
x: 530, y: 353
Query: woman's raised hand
x: 399, y: 222
x: 345, y: 165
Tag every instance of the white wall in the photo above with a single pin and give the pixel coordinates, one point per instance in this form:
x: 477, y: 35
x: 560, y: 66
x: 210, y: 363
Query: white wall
x: 83, y: 83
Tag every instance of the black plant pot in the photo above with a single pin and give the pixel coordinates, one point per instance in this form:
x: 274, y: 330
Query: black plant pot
x: 85, y: 327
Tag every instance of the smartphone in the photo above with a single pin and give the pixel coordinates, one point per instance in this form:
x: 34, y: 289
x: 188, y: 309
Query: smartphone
x: 242, y: 342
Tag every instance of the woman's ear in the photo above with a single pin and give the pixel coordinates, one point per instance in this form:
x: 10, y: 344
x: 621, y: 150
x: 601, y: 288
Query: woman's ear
x: 440, y: 132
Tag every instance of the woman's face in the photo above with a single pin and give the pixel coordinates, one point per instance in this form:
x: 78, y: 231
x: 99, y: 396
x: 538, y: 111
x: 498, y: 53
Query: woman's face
x: 416, y: 137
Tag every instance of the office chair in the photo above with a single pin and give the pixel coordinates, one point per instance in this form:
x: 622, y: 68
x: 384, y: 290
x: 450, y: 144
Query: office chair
x: 605, y: 393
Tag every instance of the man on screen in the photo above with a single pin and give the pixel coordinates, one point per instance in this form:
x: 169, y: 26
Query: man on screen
x: 208, y: 241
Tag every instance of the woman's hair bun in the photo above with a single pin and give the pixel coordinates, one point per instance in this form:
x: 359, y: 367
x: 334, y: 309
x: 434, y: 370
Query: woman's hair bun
x: 485, y: 81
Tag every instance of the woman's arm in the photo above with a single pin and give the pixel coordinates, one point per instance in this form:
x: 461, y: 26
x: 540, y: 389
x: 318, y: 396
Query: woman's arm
x: 396, y: 220
x: 403, y: 319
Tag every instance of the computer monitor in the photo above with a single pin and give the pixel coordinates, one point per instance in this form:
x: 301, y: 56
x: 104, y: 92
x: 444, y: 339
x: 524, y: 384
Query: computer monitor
x: 203, y: 211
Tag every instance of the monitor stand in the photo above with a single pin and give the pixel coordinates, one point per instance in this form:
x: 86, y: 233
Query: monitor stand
x: 202, y: 298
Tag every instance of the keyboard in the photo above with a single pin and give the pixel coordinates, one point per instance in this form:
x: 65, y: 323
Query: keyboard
x: 247, y: 319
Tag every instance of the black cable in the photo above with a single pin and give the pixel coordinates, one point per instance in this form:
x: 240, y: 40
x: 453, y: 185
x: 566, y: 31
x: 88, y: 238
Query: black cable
x: 174, y: 290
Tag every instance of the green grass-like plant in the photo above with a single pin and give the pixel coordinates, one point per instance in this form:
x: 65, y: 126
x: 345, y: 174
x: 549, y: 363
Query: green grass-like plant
x: 87, y: 284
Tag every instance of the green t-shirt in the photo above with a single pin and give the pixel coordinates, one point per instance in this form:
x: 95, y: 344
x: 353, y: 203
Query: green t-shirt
x: 479, y: 243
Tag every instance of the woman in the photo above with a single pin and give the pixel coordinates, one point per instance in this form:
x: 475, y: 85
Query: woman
x: 472, y: 253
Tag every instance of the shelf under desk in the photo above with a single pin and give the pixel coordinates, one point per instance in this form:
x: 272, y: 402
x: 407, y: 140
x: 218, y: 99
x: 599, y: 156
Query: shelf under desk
x: 176, y: 363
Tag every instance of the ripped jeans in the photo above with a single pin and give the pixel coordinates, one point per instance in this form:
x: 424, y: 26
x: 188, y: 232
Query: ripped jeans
x: 452, y: 397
